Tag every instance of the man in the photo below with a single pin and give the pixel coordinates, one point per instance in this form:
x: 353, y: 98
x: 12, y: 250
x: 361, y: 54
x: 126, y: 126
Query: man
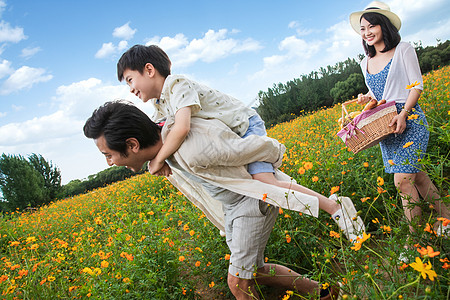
x: 127, y: 137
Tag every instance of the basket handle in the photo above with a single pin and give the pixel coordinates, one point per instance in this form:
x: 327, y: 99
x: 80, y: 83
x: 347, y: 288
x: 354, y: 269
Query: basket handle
x: 344, y: 109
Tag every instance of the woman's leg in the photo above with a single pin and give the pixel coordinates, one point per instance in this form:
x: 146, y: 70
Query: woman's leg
x: 405, y: 184
x: 430, y: 193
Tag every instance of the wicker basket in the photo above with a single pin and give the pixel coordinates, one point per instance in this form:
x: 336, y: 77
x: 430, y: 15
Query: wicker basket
x: 369, y: 128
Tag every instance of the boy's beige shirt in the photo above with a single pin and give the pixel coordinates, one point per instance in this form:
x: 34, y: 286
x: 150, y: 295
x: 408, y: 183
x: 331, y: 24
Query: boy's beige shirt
x: 178, y: 92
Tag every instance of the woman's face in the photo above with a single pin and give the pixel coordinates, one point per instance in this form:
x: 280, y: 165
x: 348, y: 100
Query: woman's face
x: 371, y: 34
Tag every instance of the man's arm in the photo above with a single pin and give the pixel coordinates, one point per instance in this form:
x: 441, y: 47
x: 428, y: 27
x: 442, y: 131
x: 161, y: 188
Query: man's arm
x: 174, y: 139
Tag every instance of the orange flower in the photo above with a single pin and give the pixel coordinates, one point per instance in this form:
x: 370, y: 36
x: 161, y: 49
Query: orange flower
x: 227, y: 256
x: 445, y: 221
x: 301, y: 170
x: 408, y: 144
x: 391, y: 162
x: 366, y: 165
x: 308, y: 165
x: 211, y: 284
x: 429, y: 229
x: 315, y: 179
x: 364, y: 199
x: 197, y: 263
x: 413, y: 117
x: 428, y: 251
x: 288, y: 238
x: 264, y: 197
x: 181, y: 258
x: 334, y: 189
x: 410, y: 86
x: 380, y: 181
x: 402, y: 267
x: 356, y: 246
x: 334, y: 234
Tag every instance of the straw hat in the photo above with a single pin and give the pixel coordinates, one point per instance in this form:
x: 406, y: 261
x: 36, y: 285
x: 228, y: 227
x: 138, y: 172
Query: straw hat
x: 376, y: 7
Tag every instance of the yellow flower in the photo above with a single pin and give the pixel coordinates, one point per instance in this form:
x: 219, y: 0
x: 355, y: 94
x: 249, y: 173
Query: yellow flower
x: 192, y: 232
x: 51, y: 278
x: 408, y: 144
x: 366, y: 165
x: 380, y: 181
x: 212, y: 284
x: 181, y: 258
x: 413, y: 117
x: 315, y: 179
x: 391, y: 162
x: 424, y: 269
x: 410, y: 86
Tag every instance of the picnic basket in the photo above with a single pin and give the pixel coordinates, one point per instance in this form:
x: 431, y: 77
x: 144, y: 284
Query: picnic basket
x: 368, y: 128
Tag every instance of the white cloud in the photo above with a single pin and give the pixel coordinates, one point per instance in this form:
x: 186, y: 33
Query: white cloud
x: 214, y: 45
x: 58, y: 135
x: 5, y: 68
x: 29, y: 52
x: 17, y: 107
x: 2, y: 114
x: 9, y: 34
x: 124, y: 32
x: 109, y: 49
x: 429, y: 35
x: 24, y: 77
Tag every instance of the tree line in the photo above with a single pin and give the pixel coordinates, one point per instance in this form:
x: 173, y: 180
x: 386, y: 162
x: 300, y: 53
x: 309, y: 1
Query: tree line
x: 331, y: 85
x: 28, y: 183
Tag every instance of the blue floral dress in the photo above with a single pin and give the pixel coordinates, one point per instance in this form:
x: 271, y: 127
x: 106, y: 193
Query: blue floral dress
x: 401, y: 152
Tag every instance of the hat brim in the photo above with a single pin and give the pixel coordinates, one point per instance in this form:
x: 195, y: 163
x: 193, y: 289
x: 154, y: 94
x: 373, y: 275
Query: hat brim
x: 355, y: 18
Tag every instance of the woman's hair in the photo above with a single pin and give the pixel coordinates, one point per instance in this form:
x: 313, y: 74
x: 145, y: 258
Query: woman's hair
x: 118, y: 121
x: 391, y: 37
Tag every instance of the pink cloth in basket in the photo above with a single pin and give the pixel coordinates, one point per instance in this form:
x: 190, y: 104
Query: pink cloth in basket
x: 349, y: 129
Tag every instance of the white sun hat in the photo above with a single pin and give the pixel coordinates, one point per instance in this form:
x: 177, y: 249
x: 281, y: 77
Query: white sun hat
x: 376, y: 7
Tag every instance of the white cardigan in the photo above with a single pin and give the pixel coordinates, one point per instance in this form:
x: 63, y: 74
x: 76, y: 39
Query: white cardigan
x: 404, y: 71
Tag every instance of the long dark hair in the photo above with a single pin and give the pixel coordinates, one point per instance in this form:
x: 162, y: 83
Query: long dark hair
x: 391, y: 37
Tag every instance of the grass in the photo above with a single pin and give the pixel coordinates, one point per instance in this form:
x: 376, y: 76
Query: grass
x: 141, y: 239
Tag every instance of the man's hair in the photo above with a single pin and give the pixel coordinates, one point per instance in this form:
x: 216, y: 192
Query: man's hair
x: 391, y: 37
x: 138, y: 56
x: 118, y: 121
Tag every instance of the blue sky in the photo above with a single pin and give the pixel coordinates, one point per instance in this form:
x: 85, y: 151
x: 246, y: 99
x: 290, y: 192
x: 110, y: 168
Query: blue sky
x: 58, y: 58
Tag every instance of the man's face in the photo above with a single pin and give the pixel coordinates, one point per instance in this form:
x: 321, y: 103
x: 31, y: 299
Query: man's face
x: 146, y: 85
x: 132, y: 161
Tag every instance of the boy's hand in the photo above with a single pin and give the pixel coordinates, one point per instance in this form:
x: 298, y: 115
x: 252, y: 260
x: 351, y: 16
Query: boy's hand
x: 159, y: 168
x: 154, y: 166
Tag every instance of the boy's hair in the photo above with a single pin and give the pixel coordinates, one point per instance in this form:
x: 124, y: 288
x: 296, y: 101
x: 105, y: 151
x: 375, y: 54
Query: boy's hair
x: 118, y: 121
x: 138, y: 56
x: 391, y: 37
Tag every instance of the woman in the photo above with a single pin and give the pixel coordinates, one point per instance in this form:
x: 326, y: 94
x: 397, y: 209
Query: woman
x: 389, y: 68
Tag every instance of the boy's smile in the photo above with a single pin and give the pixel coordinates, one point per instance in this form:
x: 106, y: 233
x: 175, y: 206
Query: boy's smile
x: 145, y: 86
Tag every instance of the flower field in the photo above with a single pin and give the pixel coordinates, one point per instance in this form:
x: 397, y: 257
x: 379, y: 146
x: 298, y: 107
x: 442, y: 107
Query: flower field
x: 141, y: 239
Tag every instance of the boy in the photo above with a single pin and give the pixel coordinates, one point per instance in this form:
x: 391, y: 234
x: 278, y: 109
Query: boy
x: 146, y: 69
x: 127, y: 137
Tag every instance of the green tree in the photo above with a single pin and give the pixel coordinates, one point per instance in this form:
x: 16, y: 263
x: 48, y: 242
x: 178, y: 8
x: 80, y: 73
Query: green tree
x: 20, y: 183
x: 348, y: 89
x: 50, y: 174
